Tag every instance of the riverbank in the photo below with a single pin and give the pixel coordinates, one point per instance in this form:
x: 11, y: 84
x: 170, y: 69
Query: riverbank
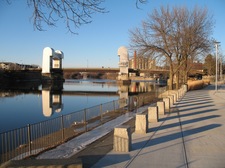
x: 177, y: 140
x: 10, y: 76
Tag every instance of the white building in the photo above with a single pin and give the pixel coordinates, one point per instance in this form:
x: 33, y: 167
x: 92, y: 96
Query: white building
x: 52, y: 59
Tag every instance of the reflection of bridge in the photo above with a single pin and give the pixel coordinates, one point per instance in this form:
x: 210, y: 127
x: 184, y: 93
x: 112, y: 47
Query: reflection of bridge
x: 90, y: 93
x: 112, y: 70
x: 67, y: 93
x: 91, y: 70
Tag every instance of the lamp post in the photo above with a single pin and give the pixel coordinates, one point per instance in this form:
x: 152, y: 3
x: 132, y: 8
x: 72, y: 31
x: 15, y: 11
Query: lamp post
x: 221, y: 68
x: 216, y: 45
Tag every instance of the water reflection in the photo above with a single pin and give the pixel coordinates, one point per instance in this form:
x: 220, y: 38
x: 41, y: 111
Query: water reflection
x: 12, y: 89
x: 32, y: 102
x: 135, y: 88
x: 142, y: 87
x: 52, y: 99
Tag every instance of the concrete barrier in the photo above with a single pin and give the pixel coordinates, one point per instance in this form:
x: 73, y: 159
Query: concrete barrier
x: 161, y: 107
x: 175, y: 97
x: 181, y: 92
x: 167, y: 104
x: 185, y: 87
x: 141, y: 123
x: 122, y: 139
x: 153, y: 114
x: 177, y: 94
x: 171, y: 100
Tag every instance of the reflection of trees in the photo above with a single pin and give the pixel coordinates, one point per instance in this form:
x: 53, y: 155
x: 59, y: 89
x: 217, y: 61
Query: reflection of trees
x: 137, y: 92
x: 11, y: 89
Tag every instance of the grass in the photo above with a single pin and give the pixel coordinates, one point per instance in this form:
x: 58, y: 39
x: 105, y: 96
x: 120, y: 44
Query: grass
x: 197, y: 84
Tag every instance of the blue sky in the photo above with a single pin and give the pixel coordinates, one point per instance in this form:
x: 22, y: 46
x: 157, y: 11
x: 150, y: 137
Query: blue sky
x: 97, y: 42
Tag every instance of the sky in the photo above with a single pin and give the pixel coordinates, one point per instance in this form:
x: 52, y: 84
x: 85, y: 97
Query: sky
x: 97, y: 43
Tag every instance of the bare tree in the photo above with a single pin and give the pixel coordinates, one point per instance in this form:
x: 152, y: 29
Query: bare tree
x: 210, y: 64
x: 177, y: 35
x: 74, y: 13
x: 198, y: 28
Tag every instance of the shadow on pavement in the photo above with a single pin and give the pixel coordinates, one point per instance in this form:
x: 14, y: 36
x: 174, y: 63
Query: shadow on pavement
x: 177, y: 135
x: 110, y: 159
x: 188, y: 121
x: 188, y: 114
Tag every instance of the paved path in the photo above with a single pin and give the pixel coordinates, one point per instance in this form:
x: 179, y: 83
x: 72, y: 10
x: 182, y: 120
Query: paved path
x: 191, y: 136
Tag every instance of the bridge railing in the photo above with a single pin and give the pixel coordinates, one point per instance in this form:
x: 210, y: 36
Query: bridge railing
x: 32, y: 139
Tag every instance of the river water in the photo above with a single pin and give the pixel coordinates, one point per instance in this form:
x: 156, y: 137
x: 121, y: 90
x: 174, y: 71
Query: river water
x: 33, y: 104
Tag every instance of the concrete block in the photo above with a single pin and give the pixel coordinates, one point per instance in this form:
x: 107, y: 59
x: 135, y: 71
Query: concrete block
x: 171, y: 100
x: 161, y: 107
x: 153, y: 115
x: 185, y: 87
x: 181, y: 92
x: 141, y: 123
x: 167, y: 103
x: 174, y: 97
x: 122, y: 139
x: 177, y: 94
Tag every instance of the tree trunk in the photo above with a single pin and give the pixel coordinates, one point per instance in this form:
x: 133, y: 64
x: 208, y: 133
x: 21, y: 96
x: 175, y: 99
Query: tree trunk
x: 185, y: 71
x: 177, y: 80
x: 185, y: 74
x: 170, y: 82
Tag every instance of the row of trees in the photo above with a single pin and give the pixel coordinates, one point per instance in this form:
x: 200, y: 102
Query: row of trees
x: 177, y: 36
x: 210, y: 65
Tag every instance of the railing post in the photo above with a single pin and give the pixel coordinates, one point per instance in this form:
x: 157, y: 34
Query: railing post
x: 101, y: 112
x: 114, y: 106
x: 85, y: 119
x: 128, y: 104
x: 29, y: 137
x: 62, y: 127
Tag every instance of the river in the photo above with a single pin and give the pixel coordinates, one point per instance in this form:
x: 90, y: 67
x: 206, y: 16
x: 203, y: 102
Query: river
x: 22, y: 105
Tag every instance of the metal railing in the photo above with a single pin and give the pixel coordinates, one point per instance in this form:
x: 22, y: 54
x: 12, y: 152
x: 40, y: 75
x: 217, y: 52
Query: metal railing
x: 35, y: 138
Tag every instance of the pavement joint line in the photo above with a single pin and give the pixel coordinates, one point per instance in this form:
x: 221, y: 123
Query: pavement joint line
x: 133, y: 158
x: 185, y: 155
x: 216, y: 94
x: 185, y: 152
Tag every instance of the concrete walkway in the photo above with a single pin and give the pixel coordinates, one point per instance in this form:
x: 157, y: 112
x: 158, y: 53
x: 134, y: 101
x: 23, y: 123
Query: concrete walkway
x: 192, y: 135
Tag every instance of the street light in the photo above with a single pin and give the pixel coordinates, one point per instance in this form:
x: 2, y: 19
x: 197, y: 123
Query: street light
x: 216, y: 45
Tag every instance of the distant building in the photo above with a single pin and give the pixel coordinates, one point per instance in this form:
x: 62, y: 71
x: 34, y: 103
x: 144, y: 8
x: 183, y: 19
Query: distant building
x: 141, y: 62
x: 16, y: 66
x: 5, y: 65
x: 197, y: 66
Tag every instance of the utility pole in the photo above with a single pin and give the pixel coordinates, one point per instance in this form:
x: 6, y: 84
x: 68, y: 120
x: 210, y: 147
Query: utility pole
x: 216, y: 82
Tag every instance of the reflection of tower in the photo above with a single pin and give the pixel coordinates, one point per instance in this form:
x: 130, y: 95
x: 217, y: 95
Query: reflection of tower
x: 51, y: 102
x: 123, y: 92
